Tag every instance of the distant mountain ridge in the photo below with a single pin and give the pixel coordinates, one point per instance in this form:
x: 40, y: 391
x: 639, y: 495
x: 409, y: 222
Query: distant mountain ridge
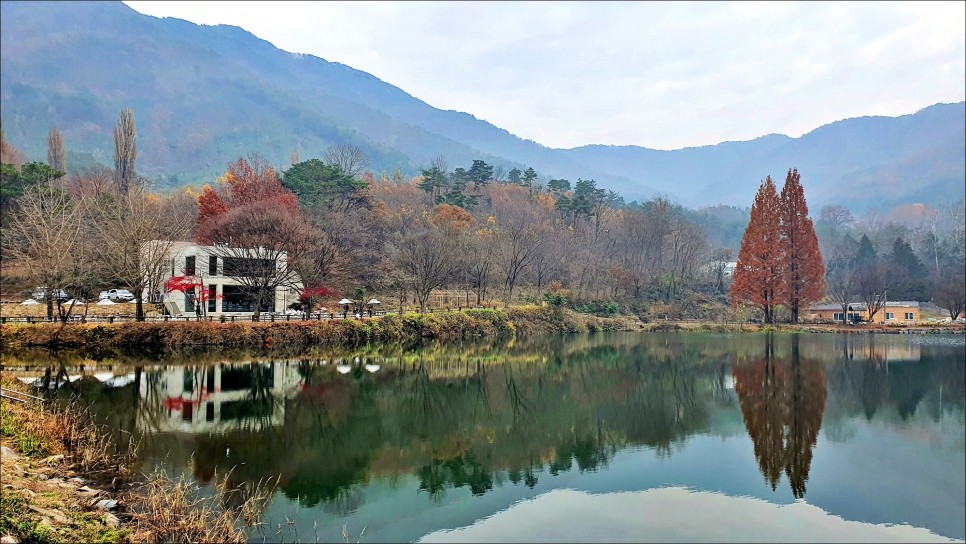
x: 204, y: 95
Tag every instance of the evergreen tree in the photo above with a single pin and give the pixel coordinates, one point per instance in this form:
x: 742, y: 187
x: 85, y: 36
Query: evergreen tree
x: 907, y: 272
x: 514, y: 176
x: 530, y: 179
x: 434, y: 182
x: 480, y: 173
x: 802, y: 265
x: 558, y: 186
x: 757, y: 277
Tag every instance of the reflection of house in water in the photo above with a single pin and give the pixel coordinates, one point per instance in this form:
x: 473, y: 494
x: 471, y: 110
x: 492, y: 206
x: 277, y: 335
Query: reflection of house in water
x: 866, y: 348
x: 216, y: 398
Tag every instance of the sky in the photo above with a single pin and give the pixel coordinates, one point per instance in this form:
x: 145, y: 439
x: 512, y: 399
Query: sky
x: 663, y: 75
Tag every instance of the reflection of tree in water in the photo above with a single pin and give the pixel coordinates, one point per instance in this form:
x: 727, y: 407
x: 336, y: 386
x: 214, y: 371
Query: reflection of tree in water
x: 782, y: 402
x: 458, y: 471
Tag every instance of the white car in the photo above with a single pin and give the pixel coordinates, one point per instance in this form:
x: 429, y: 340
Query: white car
x: 57, y: 294
x: 116, y: 295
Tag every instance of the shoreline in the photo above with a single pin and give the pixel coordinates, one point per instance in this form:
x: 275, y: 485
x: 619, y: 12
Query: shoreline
x: 407, y: 328
x: 64, y: 480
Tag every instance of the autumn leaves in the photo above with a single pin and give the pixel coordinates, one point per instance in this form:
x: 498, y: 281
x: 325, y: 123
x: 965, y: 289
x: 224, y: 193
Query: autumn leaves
x: 779, y: 263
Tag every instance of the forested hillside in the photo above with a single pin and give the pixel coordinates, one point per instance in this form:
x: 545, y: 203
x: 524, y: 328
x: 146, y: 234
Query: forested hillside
x: 206, y: 94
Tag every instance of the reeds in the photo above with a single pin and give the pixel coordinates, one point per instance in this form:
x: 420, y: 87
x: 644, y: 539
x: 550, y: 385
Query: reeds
x: 175, y: 510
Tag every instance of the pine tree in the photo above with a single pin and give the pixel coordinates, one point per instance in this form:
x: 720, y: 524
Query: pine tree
x: 907, y: 272
x: 758, y: 276
x: 802, y: 266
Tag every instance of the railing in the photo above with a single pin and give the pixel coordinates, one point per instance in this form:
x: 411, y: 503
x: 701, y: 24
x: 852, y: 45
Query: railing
x: 184, y: 318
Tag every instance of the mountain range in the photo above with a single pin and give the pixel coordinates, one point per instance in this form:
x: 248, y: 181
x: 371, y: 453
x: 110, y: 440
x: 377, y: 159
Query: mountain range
x: 206, y: 95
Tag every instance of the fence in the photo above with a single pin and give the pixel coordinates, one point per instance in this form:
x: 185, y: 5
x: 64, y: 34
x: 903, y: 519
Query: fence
x: 263, y: 318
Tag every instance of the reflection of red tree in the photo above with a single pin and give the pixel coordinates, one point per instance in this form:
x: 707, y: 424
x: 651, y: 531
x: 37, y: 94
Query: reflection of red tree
x: 782, y: 402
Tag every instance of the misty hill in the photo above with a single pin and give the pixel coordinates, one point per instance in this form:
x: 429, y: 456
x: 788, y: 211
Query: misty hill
x: 205, y: 95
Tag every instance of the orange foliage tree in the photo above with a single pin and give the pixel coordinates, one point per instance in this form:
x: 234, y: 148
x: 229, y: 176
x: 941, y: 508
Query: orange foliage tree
x: 802, y: 266
x: 758, y: 275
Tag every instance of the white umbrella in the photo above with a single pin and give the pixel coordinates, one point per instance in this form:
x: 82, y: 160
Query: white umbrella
x: 345, y: 301
x: 73, y: 301
x: 374, y: 301
x: 372, y: 368
x: 29, y: 302
x: 105, y: 302
x: 344, y: 369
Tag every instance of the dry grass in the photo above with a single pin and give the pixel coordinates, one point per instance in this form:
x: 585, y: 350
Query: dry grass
x: 43, y: 429
x: 160, y: 509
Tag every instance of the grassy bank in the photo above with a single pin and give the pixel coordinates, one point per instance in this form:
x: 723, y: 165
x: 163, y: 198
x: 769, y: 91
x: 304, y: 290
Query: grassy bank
x: 59, y: 468
x: 454, y: 325
x: 395, y: 329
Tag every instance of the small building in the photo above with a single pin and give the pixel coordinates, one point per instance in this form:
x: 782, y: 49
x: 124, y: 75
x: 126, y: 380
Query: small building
x: 893, y: 312
x: 216, y: 280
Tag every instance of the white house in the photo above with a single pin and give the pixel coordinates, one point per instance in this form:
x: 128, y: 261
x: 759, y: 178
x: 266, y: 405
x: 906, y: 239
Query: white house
x: 216, y: 280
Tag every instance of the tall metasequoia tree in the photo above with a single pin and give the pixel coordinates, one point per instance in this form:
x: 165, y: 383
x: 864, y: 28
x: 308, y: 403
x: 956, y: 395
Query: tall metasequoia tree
x: 56, y: 156
x: 125, y: 151
x: 758, y: 275
x: 804, y: 273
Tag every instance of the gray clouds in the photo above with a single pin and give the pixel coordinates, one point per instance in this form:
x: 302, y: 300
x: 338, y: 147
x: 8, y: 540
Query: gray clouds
x: 655, y: 74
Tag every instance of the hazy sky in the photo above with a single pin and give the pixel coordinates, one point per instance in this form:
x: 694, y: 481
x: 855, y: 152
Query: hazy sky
x: 663, y: 75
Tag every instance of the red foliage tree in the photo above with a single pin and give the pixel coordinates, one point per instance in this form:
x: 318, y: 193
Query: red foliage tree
x: 246, y: 182
x: 802, y: 266
x: 757, y: 277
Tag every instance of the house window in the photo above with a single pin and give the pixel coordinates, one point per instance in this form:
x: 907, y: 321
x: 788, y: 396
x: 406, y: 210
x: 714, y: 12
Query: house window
x: 836, y: 316
x: 212, y: 289
x: 239, y: 267
x: 890, y: 315
x: 189, y: 266
x: 212, y: 265
x: 909, y: 316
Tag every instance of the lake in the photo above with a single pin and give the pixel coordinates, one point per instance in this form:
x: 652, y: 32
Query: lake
x: 616, y: 437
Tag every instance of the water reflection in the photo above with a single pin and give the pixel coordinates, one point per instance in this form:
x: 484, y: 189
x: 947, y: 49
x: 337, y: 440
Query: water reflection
x: 497, y: 423
x: 782, y: 401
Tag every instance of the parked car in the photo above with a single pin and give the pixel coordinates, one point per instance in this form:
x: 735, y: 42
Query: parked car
x: 40, y: 293
x: 116, y: 295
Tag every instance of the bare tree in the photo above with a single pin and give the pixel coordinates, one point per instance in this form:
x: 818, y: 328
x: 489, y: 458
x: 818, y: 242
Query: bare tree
x: 8, y: 153
x: 137, y: 231
x: 261, y: 245
x: 349, y: 158
x: 438, y: 162
x: 56, y: 156
x: 520, y: 233
x: 720, y: 258
x: 47, y: 234
x: 125, y: 151
x: 296, y: 157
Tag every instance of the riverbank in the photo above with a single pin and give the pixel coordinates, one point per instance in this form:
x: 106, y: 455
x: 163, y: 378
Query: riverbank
x: 392, y: 328
x: 66, y: 480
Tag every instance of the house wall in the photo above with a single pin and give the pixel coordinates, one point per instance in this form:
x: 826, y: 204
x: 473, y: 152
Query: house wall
x: 899, y: 315
x: 177, y: 301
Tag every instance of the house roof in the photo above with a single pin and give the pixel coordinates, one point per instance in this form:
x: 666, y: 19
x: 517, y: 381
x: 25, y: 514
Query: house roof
x: 861, y: 306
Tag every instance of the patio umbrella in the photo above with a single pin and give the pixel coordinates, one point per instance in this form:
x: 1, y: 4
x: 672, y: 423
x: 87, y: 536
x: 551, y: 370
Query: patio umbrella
x: 29, y: 302
x: 374, y: 301
x: 345, y: 301
x: 343, y: 369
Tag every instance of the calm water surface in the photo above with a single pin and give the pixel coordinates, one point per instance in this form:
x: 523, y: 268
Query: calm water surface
x: 606, y: 437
